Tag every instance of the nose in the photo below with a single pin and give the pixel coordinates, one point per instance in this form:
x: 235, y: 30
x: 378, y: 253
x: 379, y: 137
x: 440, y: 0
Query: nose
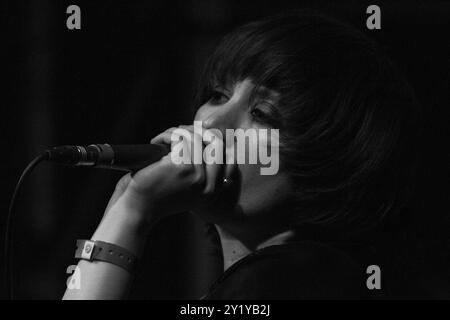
x: 220, y: 117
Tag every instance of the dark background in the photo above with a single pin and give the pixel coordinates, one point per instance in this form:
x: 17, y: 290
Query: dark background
x: 130, y: 73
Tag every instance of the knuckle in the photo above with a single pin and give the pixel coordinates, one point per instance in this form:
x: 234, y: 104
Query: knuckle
x: 209, y: 190
x: 185, y: 171
x: 198, y: 178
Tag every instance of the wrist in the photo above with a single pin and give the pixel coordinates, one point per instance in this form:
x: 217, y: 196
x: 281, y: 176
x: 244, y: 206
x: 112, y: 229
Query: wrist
x: 124, y: 226
x: 134, y: 210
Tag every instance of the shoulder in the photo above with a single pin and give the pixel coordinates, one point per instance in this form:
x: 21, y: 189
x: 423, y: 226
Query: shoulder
x: 304, y: 270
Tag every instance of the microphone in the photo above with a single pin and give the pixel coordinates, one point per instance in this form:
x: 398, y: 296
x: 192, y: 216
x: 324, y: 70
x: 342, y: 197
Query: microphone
x: 117, y: 157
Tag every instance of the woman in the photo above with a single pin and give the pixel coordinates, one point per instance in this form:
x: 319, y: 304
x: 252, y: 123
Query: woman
x: 347, y: 127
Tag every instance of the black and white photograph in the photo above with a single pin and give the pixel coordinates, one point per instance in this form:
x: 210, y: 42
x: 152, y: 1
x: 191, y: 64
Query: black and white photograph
x: 224, y: 154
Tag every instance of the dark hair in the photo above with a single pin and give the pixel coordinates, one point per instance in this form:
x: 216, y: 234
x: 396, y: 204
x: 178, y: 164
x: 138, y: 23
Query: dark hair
x: 348, y: 127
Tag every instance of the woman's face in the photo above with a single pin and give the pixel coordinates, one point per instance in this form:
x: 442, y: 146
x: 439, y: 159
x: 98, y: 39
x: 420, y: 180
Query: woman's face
x: 251, y: 195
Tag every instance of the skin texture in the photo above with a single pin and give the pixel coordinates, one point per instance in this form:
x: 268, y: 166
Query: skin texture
x: 245, y: 212
x: 249, y: 203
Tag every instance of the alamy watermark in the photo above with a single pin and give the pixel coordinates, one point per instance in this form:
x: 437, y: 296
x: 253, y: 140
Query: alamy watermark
x: 74, y: 281
x: 249, y: 146
x: 374, y: 280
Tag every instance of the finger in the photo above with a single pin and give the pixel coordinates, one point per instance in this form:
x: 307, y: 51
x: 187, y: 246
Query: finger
x: 191, y: 147
x: 230, y: 170
x: 230, y: 175
x: 169, y: 137
x: 187, y: 126
x: 195, y: 146
x: 219, y: 174
x: 213, y: 156
x: 162, y: 137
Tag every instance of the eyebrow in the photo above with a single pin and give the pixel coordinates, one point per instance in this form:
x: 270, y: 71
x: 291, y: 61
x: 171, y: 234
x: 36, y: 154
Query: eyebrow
x: 261, y: 92
x: 221, y: 88
x: 265, y: 93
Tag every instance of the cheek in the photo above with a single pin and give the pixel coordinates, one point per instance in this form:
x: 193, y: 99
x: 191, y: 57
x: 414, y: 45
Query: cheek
x: 261, y: 193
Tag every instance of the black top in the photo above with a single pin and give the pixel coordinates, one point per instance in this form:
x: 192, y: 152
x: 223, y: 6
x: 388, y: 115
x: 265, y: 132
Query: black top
x: 299, y: 270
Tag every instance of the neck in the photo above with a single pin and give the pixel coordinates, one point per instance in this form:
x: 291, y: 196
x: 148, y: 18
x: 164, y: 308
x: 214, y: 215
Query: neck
x: 237, y: 247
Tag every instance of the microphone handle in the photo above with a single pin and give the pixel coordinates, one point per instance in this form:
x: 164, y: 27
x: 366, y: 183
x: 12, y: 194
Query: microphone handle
x: 134, y: 157
x: 117, y: 157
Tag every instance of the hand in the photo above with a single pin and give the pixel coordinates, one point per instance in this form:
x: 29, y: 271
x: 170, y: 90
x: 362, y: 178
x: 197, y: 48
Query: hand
x: 164, y: 188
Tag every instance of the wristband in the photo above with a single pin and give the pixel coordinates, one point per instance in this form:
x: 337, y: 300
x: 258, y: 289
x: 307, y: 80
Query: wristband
x: 103, y: 251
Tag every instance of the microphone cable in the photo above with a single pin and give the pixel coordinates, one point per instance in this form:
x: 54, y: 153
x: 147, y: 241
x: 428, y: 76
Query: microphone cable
x: 9, y: 259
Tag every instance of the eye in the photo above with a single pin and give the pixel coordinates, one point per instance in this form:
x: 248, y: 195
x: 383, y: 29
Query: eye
x: 262, y: 113
x: 258, y: 114
x: 218, y: 97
